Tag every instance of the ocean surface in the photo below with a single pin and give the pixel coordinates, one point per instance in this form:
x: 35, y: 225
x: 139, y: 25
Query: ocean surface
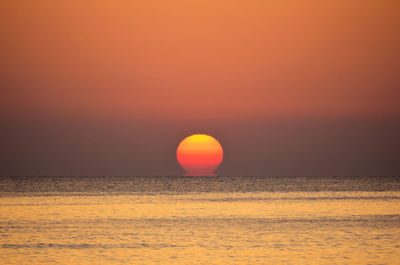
x: 199, y: 220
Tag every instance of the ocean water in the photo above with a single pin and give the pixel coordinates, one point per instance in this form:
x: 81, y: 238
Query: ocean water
x: 200, y: 220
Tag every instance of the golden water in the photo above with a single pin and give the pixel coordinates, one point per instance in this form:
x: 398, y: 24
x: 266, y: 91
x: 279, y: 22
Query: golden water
x: 291, y: 227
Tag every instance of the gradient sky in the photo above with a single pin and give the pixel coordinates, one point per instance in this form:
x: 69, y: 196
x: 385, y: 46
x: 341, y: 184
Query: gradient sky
x: 287, y: 87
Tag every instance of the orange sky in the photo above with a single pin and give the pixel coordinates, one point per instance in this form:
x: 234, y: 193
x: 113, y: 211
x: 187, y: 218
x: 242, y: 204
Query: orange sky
x: 185, y: 59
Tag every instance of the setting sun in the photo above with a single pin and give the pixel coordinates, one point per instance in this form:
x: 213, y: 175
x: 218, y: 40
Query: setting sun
x: 199, y: 154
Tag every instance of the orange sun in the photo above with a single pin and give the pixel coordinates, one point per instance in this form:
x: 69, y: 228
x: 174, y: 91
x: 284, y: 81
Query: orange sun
x: 199, y: 155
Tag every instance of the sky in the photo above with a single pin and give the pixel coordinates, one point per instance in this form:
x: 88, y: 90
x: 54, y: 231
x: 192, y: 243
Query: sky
x: 287, y: 87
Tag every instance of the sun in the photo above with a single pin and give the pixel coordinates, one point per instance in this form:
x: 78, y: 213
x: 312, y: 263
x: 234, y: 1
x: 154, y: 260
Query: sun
x: 199, y: 155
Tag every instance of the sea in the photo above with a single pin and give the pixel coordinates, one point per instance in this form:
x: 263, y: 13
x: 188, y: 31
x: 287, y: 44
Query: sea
x: 199, y: 220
